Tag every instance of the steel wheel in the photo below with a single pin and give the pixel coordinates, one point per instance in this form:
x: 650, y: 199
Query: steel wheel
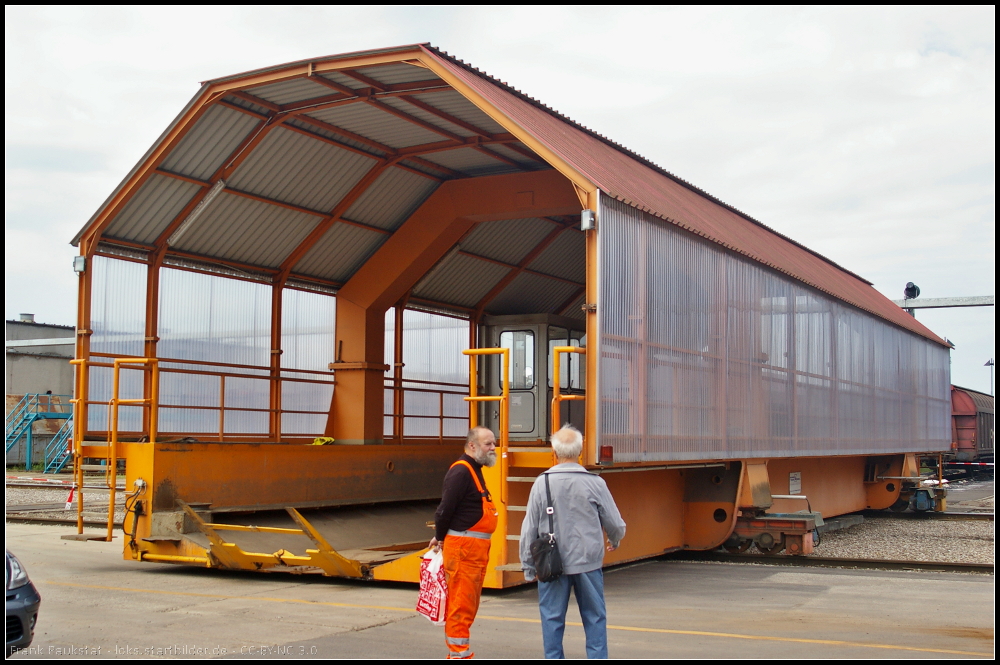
x: 739, y: 549
x: 774, y: 549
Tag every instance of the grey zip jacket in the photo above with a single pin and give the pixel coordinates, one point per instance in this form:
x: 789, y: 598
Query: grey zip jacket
x: 583, y: 506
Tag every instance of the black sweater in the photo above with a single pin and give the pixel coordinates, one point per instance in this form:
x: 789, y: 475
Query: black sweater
x: 461, y: 504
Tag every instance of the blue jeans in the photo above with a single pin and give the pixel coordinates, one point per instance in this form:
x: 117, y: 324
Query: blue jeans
x: 553, y: 599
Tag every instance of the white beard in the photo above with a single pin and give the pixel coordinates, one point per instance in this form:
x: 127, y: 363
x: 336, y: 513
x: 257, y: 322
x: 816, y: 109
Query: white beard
x: 486, y: 459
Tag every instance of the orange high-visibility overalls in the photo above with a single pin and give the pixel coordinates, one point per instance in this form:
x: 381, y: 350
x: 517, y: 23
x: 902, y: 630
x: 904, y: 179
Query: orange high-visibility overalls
x: 466, y: 554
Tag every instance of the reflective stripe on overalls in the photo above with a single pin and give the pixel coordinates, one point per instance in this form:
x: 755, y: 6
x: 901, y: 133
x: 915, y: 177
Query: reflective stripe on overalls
x: 466, y: 555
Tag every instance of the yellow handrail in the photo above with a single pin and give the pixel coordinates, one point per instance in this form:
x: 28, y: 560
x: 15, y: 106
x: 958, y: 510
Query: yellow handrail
x: 504, y: 398
x: 557, y: 397
x: 111, y: 474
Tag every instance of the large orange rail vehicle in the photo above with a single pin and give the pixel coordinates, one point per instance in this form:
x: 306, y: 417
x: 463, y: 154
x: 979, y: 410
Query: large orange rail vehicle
x: 294, y: 306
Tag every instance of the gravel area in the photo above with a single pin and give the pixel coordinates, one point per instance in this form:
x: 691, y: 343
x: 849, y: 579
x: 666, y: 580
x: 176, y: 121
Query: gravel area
x: 903, y: 539
x: 48, y: 503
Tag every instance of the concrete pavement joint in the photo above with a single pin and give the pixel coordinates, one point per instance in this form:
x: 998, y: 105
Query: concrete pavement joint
x: 665, y: 631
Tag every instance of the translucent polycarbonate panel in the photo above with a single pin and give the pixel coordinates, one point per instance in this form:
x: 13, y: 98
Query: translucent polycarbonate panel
x: 117, y: 307
x: 432, y: 347
x: 389, y: 350
x: 213, y: 318
x: 130, y: 386
x: 432, y: 351
x: 390, y: 340
x: 707, y: 355
x: 304, y: 396
x: 308, y: 326
x: 246, y: 405
x: 203, y: 392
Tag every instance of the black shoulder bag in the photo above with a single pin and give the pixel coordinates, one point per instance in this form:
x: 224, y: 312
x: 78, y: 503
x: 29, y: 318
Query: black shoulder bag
x: 544, y: 550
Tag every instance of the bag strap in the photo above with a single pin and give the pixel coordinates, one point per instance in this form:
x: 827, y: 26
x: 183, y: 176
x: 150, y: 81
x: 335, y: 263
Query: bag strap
x: 549, y: 509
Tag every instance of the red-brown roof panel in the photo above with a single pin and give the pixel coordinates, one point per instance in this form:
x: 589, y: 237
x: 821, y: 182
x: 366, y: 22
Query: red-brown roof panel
x: 628, y: 178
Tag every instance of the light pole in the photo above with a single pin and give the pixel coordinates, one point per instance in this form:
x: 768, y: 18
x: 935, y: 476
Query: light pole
x: 989, y: 363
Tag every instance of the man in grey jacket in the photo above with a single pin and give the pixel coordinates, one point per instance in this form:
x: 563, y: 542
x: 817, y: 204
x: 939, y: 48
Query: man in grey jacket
x: 583, y: 506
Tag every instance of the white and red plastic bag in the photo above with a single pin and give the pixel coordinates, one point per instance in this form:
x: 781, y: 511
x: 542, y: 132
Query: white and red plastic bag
x: 433, y: 597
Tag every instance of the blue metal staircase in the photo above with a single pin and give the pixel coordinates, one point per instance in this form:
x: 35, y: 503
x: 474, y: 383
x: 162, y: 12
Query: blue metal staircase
x: 31, y: 408
x: 59, y: 451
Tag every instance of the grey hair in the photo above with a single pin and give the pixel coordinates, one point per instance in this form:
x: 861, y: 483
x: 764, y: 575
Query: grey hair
x: 567, y: 442
x: 475, y: 433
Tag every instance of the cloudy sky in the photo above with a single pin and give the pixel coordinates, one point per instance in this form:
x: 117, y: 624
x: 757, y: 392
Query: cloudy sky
x: 866, y: 134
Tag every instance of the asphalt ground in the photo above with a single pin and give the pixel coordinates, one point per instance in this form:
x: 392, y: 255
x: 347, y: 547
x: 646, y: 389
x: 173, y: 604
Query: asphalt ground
x: 95, y: 604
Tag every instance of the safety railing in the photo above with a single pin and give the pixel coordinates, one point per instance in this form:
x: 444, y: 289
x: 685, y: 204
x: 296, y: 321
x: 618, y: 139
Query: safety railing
x: 474, y: 399
x: 403, y: 409
x: 223, y: 372
x: 60, y: 449
x: 557, y: 397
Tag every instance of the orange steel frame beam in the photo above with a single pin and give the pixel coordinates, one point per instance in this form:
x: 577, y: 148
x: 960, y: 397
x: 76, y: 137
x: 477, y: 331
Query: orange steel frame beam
x: 454, y: 208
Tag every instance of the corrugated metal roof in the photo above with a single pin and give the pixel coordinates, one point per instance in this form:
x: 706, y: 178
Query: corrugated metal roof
x: 391, y: 199
x: 294, y: 90
x: 150, y: 211
x: 243, y: 103
x: 340, y: 252
x: 426, y: 116
x: 344, y: 80
x: 241, y: 229
x: 210, y: 142
x: 425, y: 167
x: 531, y: 294
x: 470, y: 162
x: 566, y: 257
x: 397, y: 73
x: 454, y: 104
x: 460, y: 280
x: 377, y: 125
x: 575, y: 309
x: 525, y: 162
x: 639, y: 183
x: 507, y: 240
x: 296, y: 169
x: 339, y: 138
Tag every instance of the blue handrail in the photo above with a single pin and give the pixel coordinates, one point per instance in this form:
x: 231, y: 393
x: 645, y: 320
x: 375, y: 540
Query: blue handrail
x: 58, y: 451
x: 32, y: 407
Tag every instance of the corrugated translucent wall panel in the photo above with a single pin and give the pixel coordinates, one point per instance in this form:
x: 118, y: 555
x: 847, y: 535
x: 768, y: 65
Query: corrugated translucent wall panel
x: 308, y: 325
x: 707, y: 355
x: 117, y: 307
x: 214, y: 319
x: 432, y: 347
x: 390, y: 358
x: 432, y: 351
x: 118, y: 319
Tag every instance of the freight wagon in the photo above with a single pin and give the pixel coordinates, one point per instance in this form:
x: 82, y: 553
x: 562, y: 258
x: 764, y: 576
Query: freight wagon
x: 972, y: 426
x: 294, y: 306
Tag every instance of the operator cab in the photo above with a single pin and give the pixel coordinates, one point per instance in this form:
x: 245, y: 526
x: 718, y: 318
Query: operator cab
x: 531, y: 339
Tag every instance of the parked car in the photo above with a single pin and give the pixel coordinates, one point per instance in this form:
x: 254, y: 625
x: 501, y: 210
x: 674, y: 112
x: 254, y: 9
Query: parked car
x: 22, y: 605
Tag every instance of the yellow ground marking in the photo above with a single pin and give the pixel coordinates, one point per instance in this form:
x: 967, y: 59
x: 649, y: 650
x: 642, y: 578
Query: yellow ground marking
x: 666, y: 631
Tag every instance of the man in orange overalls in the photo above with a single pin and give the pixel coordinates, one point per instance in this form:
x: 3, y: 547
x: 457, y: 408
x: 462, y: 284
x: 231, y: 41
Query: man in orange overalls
x: 464, y: 523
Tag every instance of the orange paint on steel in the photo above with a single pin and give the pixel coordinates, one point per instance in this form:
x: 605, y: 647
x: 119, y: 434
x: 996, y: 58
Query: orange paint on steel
x: 590, y: 434
x: 405, y: 257
x: 557, y: 397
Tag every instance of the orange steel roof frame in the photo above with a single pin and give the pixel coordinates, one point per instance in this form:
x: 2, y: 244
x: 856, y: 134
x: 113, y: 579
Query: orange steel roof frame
x: 302, y: 171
